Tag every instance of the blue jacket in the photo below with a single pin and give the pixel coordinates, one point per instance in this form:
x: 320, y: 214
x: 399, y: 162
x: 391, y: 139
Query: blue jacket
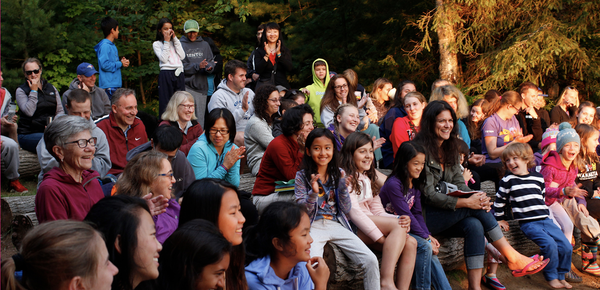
x: 206, y: 162
x: 109, y: 65
x: 260, y: 276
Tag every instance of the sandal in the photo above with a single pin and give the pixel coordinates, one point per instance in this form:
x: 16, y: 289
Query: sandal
x: 525, y: 271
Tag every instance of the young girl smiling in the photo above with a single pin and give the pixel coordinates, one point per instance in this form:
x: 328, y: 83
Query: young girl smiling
x: 377, y: 228
x: 321, y: 186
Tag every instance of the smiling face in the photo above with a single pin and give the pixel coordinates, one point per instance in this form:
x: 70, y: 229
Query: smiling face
x: 213, y: 275
x: 185, y: 111
x: 363, y: 157
x: 32, y: 66
x: 231, y: 220
x: 105, y: 270
x: 163, y: 185
x: 238, y: 81
x: 383, y: 92
x: 570, y: 97
x: 307, y: 124
x: 443, y: 125
x: 517, y: 165
x: 167, y: 28
x: 83, y: 110
x: 348, y: 120
x: 476, y: 114
x: 301, y: 240
x: 273, y: 103
x: 413, y: 107
x: 219, y: 139
x: 415, y: 166
x: 272, y: 35
x: 529, y: 97
x: 569, y: 151
x: 146, y: 252
x: 341, y: 89
x: 78, y: 158
x: 125, y: 111
x: 452, y: 101
x: 321, y: 151
x: 90, y: 81
x: 192, y: 35
x: 586, y: 115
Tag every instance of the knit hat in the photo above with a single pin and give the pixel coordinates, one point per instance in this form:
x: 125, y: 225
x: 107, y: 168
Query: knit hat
x: 191, y: 26
x: 565, y: 135
x: 549, y: 136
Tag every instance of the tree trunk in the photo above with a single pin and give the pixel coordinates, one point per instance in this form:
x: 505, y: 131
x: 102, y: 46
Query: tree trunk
x: 141, y: 83
x: 446, y: 36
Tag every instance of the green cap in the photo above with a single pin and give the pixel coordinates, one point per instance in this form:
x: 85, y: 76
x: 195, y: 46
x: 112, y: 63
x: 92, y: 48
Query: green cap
x: 191, y: 26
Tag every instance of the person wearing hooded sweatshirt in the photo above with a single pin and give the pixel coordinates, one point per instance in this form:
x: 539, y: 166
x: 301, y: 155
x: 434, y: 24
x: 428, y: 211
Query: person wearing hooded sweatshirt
x: 108, y: 57
x: 314, y: 93
x: 78, y: 103
x: 197, y: 65
x: 232, y: 95
x: 86, y: 80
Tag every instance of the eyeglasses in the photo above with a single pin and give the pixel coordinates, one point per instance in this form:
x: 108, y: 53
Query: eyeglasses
x: 82, y: 143
x: 35, y: 71
x: 189, y: 107
x: 221, y: 131
x: 169, y: 175
x: 344, y: 86
x: 276, y: 100
x: 308, y: 124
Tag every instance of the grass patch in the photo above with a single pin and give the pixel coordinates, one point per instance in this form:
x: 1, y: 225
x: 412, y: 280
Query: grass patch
x: 30, y: 182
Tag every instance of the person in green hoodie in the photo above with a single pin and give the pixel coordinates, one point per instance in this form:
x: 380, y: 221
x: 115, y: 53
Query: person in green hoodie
x: 314, y: 92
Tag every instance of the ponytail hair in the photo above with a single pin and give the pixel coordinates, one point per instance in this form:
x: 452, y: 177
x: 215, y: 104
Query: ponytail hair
x: 52, y: 254
x: 508, y: 98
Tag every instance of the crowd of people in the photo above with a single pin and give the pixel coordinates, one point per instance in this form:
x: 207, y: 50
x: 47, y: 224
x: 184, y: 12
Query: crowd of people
x: 125, y: 204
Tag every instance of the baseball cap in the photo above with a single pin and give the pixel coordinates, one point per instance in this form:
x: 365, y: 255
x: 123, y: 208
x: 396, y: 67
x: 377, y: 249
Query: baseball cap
x: 86, y: 69
x: 191, y: 26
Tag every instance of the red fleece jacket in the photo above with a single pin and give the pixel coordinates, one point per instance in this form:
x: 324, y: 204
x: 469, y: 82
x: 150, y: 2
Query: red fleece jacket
x: 119, y: 144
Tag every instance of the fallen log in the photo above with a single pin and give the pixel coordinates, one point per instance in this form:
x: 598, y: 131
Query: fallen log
x: 22, y: 224
x: 19, y: 204
x: 6, y: 216
x: 28, y: 164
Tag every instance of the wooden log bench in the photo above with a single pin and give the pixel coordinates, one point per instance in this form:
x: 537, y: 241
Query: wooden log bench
x: 18, y: 214
x: 28, y: 164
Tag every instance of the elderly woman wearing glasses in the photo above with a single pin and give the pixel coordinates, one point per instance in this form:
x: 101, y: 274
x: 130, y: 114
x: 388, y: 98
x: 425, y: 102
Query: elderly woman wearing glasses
x: 38, y: 102
x: 214, y: 155
x: 147, y: 173
x: 180, y: 113
x: 69, y: 190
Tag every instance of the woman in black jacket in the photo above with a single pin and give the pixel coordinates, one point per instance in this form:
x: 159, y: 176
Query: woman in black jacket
x: 273, y: 60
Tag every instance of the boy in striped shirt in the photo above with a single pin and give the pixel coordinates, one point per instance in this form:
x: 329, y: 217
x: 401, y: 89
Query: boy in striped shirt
x: 525, y: 192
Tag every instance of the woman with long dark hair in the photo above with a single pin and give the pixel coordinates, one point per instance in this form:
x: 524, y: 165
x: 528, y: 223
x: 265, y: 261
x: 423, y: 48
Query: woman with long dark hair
x: 273, y: 59
x: 170, y: 53
x: 466, y: 217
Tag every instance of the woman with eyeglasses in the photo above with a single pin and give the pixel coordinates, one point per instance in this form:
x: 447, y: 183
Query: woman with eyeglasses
x: 283, y: 157
x: 38, y: 101
x: 259, y: 129
x: 150, y: 172
x: 566, y: 106
x: 214, y: 155
x: 180, y: 112
x: 69, y: 190
x: 337, y: 93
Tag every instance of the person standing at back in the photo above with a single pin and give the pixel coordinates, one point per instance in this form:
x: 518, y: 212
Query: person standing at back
x: 108, y: 57
x: 197, y: 65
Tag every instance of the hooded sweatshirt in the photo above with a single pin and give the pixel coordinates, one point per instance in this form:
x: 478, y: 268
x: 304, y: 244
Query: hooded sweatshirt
x: 226, y: 98
x: 260, y: 275
x: 195, y: 53
x: 317, y: 90
x: 109, y: 65
x: 554, y: 171
x: 60, y: 197
x: 100, y: 101
x: 206, y: 162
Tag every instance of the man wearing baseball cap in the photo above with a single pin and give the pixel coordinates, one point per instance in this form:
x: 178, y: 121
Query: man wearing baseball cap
x: 198, y: 63
x: 86, y: 80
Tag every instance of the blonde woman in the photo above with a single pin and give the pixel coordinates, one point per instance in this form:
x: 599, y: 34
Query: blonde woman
x: 566, y: 107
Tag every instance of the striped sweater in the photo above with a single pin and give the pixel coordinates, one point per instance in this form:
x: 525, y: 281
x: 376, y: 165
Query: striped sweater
x: 526, y: 196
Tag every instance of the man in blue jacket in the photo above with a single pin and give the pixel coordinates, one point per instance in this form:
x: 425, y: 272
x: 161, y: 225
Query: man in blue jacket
x: 108, y: 57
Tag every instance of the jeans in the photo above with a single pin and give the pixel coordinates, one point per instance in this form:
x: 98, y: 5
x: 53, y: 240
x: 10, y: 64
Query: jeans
x: 428, y: 270
x: 553, y: 245
x: 30, y: 141
x: 471, y: 224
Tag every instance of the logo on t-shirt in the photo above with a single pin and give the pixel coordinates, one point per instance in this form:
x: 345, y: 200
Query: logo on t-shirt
x: 508, y: 135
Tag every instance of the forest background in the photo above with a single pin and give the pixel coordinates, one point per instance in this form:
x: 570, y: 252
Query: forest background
x: 481, y: 45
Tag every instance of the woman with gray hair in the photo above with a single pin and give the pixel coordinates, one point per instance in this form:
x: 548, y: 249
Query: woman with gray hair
x: 180, y: 113
x: 455, y: 98
x: 69, y: 190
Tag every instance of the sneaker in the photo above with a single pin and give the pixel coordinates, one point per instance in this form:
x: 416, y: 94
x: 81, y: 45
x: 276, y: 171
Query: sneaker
x: 571, y: 277
x: 16, y: 186
x: 492, y: 283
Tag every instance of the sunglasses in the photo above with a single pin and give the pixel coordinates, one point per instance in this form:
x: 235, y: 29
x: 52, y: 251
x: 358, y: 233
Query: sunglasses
x: 35, y: 71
